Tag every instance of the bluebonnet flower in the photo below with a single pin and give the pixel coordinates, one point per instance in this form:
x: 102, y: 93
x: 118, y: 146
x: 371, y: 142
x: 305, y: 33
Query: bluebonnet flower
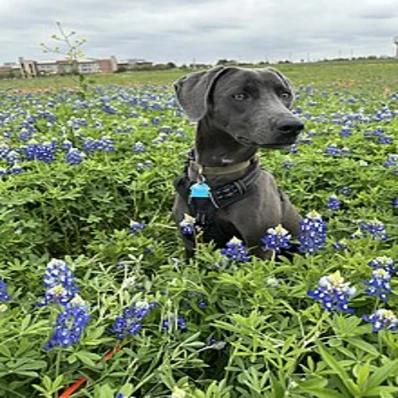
x: 144, y: 165
x: 236, y: 250
x: 392, y: 161
x: 107, y: 144
x: 108, y: 108
x: 346, y: 191
x: 180, y: 323
x: 74, y: 156
x: 44, y: 152
x: 386, y: 140
x: 187, y: 225
x: 345, y: 132
x: 333, y: 150
x: 4, y: 151
x: 276, y: 239
x: 333, y: 293
x: 340, y: 245
x: 202, y: 304
x: 70, y: 324
x: 13, y: 157
x: 382, y: 319
x: 379, y: 284
x: 130, y: 322
x: 383, y: 262
x: 139, y: 147
x: 394, y: 203
x: 345, y: 151
x: 136, y: 226
x: 66, y: 145
x: 104, y: 144
x: 312, y: 234
x: 375, y: 229
x: 333, y: 203
x: 4, y: 296
x: 59, y: 282
x: 156, y: 120
x: 15, y: 170
x: 293, y: 149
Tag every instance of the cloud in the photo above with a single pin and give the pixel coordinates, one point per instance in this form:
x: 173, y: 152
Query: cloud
x: 180, y: 30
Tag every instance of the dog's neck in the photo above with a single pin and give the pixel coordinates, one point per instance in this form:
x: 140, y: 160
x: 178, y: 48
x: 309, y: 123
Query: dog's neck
x: 215, y: 147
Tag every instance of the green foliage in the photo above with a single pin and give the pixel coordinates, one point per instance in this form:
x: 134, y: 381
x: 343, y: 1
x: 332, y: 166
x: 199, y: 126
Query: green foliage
x: 259, y: 335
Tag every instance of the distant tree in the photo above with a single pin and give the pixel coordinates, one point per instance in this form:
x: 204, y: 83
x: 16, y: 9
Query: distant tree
x: 171, y: 65
x: 226, y: 62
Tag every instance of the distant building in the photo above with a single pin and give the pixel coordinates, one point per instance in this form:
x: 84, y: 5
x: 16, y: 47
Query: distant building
x: 30, y: 68
x: 10, y: 69
x: 47, y: 67
x: 133, y: 64
x: 107, y: 65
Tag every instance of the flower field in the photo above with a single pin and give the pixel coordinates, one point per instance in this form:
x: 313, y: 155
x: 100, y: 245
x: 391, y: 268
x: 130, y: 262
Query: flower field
x: 96, y: 298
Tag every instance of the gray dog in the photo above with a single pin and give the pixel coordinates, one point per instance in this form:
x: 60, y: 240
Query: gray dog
x: 238, y: 111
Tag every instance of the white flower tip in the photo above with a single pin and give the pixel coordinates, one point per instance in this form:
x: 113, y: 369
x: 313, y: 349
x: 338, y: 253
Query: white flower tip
x: 235, y: 240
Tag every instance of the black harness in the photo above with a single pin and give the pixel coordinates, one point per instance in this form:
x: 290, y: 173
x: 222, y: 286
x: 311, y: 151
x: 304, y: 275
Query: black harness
x: 204, y: 210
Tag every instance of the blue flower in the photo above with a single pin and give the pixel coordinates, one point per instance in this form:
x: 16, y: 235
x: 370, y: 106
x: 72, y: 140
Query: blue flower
x: 236, y: 250
x: 136, y: 226
x: 375, y: 229
x: 383, y: 262
x: 187, y: 225
x: 59, y: 282
x: 346, y: 191
x: 70, y: 324
x: 333, y: 150
x: 333, y: 203
x: 180, y: 323
x: 382, y: 319
x: 276, y: 239
x: 394, y: 203
x: 333, y: 293
x: 4, y: 296
x: 340, y: 245
x: 44, y: 152
x: 74, y: 156
x: 392, y: 161
x: 312, y: 235
x: 379, y: 284
x: 139, y: 147
x: 345, y: 132
x: 130, y: 322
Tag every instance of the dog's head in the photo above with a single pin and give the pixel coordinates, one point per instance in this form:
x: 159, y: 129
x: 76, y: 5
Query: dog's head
x: 251, y: 105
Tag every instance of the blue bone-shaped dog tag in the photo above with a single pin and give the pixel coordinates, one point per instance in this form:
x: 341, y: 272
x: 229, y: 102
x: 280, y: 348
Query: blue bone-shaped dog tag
x: 200, y: 190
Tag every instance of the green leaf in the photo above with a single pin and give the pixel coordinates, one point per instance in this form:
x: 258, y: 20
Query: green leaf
x: 323, y: 393
x: 88, y: 358
x: 390, y: 369
x: 363, y: 345
x: 339, y: 370
x: 377, y: 391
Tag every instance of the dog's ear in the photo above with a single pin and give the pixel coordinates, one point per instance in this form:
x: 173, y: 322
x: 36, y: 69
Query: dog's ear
x: 193, y: 90
x: 285, y: 81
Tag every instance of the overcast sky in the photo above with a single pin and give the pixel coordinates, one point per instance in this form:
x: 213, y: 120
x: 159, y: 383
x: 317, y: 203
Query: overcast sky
x: 181, y: 30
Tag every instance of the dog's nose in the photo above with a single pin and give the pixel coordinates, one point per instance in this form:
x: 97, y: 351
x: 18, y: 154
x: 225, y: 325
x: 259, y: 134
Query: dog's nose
x: 290, y: 126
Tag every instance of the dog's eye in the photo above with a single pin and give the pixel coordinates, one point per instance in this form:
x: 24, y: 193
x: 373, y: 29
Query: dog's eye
x: 286, y: 95
x: 239, y: 96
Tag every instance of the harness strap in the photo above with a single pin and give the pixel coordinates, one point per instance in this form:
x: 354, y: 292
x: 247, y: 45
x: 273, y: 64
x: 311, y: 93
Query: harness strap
x: 204, y: 209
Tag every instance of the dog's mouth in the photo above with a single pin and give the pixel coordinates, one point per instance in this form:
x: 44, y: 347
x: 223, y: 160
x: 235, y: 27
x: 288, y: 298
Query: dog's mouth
x: 274, y: 145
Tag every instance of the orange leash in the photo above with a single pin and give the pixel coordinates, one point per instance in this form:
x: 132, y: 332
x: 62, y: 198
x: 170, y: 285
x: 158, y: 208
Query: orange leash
x: 83, y: 379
